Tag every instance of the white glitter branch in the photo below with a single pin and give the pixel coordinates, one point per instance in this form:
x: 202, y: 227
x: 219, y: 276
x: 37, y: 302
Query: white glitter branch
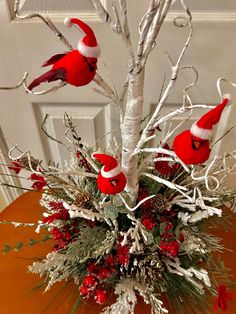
x: 202, y: 275
x: 145, y: 25
x: 155, y: 27
x: 175, y: 71
x: 19, y: 84
x: 134, y: 235
x: 75, y: 212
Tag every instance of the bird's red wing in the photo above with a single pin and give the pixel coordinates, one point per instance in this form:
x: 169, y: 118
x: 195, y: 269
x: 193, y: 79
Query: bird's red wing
x: 50, y: 76
x: 54, y: 59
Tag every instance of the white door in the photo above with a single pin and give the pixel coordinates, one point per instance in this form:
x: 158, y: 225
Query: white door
x: 25, y: 45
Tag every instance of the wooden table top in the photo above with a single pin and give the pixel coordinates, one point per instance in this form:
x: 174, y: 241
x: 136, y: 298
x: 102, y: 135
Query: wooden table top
x: 16, y: 286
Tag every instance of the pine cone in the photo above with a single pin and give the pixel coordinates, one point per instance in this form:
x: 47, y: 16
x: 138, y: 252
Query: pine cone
x: 83, y: 199
x: 160, y: 202
x: 24, y: 162
x: 146, y: 268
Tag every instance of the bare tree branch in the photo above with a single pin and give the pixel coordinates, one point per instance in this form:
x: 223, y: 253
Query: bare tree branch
x: 109, y: 92
x: 145, y: 26
x: 150, y: 127
x: 155, y: 28
x: 19, y: 84
x: 98, y: 79
x: 105, y: 17
x: 45, y: 91
x: 46, y: 20
x: 125, y: 35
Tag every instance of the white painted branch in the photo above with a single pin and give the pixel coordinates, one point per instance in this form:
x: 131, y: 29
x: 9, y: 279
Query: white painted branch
x: 124, y: 91
x: 173, y: 186
x: 175, y: 70
x: 168, y: 135
x: 115, y: 25
x: 24, y: 154
x: 131, y: 129
x: 138, y: 205
x: 175, y: 268
x: 109, y: 92
x: 134, y: 234
x: 19, y: 84
x: 97, y: 79
x: 105, y: 17
x: 46, y: 91
x: 218, y: 85
x: 46, y: 20
x: 76, y: 211
x: 18, y: 224
x: 125, y: 35
x: 168, y: 152
x: 179, y: 111
x: 215, y: 172
x: 186, y: 98
x: 144, y: 26
x: 155, y: 28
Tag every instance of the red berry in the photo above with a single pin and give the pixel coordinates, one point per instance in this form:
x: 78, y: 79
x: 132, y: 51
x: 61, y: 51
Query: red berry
x: 84, y: 291
x: 171, y: 248
x: 103, y: 273
x: 100, y: 296
x: 90, y: 281
x: 110, y: 260
x: 148, y: 223
x: 92, y: 268
x: 123, y: 254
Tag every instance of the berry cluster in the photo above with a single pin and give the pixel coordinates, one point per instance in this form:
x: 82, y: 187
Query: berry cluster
x: 169, y: 245
x: 93, y: 282
x: 83, y: 162
x: 63, y: 236
x: 123, y: 254
x: 170, y: 248
x: 165, y: 167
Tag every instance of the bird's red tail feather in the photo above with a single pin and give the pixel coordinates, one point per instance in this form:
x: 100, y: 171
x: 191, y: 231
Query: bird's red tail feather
x: 50, y: 76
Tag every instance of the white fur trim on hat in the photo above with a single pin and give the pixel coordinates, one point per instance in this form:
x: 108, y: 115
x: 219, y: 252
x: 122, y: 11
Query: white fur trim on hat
x: 67, y: 22
x: 111, y: 173
x: 204, y: 134
x: 89, y: 52
x: 227, y: 96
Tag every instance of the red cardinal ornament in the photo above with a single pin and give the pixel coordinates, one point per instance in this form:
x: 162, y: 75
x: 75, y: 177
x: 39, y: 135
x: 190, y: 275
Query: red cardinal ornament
x: 77, y: 67
x: 192, y: 146
x: 111, y: 180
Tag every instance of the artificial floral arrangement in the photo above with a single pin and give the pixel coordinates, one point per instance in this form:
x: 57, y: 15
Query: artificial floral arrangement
x: 133, y: 219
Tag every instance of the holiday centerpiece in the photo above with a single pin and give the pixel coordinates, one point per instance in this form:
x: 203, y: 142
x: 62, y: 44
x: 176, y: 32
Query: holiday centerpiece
x: 132, y: 219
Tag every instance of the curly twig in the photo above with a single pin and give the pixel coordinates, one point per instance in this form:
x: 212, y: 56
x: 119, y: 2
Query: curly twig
x: 150, y: 127
x: 19, y: 84
x: 46, y: 20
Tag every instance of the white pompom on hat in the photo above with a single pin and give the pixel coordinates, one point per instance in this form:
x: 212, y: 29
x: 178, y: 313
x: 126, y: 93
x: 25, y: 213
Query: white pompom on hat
x: 87, y: 46
x: 203, y: 127
x: 111, y: 167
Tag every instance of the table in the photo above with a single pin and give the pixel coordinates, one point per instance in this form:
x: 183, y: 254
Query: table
x: 16, y: 283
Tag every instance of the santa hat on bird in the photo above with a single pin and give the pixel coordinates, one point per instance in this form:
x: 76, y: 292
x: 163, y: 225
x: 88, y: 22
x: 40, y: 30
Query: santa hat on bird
x: 110, y: 167
x: 88, y: 45
x: 202, y: 129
